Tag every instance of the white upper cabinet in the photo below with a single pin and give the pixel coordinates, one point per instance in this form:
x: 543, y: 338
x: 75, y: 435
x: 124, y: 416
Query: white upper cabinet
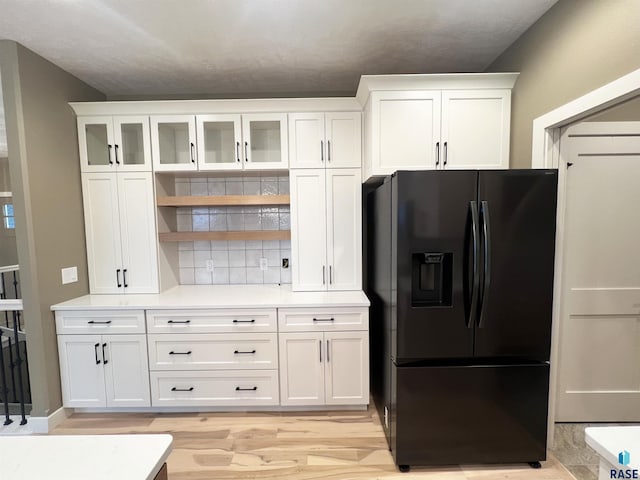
x: 475, y: 129
x: 265, y: 142
x: 173, y: 141
x: 325, y: 140
x: 448, y: 121
x: 118, y: 143
x: 255, y: 141
x: 326, y: 237
x: 407, y: 131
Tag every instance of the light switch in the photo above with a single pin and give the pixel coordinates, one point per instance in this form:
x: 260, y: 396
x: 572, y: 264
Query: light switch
x: 263, y: 264
x: 69, y: 275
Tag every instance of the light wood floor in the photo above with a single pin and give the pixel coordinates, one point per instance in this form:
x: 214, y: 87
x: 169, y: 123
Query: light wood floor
x: 296, y: 446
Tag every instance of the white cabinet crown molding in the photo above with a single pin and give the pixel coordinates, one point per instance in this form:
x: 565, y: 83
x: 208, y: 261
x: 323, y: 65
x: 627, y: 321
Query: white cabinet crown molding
x: 201, y: 107
x: 444, y: 81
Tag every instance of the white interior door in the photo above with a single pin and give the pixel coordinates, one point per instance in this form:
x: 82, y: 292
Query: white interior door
x: 102, y: 228
x: 302, y: 360
x: 344, y: 232
x: 126, y: 370
x: 138, y: 232
x: 308, y: 230
x: 599, y: 342
x: 81, y: 370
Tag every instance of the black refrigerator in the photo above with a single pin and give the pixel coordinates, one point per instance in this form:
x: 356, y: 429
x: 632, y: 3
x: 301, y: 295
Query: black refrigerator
x: 460, y: 277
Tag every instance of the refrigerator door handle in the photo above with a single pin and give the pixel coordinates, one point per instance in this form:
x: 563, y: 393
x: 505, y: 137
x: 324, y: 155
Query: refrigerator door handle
x: 486, y: 284
x: 475, y: 227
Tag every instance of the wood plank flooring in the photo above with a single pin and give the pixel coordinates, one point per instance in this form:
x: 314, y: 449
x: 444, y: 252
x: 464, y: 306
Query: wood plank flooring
x: 336, y: 445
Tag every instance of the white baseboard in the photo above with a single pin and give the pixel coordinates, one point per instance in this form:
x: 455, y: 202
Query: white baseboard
x: 46, y: 424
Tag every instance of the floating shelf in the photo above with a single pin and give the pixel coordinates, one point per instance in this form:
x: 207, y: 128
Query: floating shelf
x: 222, y: 200
x: 236, y: 235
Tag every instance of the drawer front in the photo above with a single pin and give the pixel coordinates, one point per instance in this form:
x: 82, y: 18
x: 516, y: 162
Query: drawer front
x: 215, y: 388
x: 323, y: 319
x: 211, y: 321
x: 99, y: 322
x: 213, y: 351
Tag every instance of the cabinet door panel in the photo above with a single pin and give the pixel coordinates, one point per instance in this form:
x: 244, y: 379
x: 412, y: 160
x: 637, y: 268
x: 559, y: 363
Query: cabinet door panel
x: 301, y: 369
x: 126, y: 370
x: 265, y: 141
x: 344, y: 229
x: 81, y: 371
x: 173, y: 140
x: 219, y: 142
x: 344, y: 139
x: 308, y: 230
x: 138, y: 231
x: 475, y: 129
x: 102, y: 228
x: 95, y: 139
x: 132, y: 144
x: 407, y: 131
x: 306, y: 140
x: 347, y: 368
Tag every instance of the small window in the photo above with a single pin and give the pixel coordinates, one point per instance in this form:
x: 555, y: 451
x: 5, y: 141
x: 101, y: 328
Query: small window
x: 8, y: 219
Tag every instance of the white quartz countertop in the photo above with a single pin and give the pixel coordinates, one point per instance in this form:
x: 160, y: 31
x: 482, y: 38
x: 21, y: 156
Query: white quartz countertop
x: 609, y: 441
x: 81, y: 457
x: 218, y: 296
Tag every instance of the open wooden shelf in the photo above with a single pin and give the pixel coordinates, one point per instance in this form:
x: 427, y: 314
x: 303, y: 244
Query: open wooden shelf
x: 236, y: 235
x: 222, y: 200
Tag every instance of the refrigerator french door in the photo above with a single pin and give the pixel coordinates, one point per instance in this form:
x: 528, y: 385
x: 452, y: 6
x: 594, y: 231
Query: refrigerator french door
x: 467, y: 313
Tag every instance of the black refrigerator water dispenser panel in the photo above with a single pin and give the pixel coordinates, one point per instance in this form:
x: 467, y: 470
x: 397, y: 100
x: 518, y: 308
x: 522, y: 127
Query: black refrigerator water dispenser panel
x: 431, y: 279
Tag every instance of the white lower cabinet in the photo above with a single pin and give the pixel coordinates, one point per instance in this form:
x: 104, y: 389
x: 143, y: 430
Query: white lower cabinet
x: 237, y: 365
x: 225, y: 388
x: 323, y: 365
x: 104, y: 370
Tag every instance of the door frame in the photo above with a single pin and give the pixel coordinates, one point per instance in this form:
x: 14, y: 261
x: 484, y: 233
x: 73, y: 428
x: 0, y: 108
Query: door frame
x: 545, y: 153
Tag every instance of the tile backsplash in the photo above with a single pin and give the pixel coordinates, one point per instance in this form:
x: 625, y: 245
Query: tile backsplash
x: 234, y: 262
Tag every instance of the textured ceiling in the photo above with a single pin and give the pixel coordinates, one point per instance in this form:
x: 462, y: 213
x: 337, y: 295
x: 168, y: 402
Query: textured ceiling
x: 262, y: 47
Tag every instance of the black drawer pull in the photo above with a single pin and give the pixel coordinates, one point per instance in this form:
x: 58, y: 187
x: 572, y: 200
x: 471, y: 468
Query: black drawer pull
x: 238, y: 352
x: 180, y: 353
x: 245, y: 321
x: 324, y: 319
x: 179, y: 321
x: 175, y: 389
x: 94, y: 322
x: 252, y: 389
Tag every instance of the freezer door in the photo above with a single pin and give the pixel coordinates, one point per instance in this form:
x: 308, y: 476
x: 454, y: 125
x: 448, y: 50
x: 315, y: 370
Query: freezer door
x: 432, y: 240
x: 518, y: 219
x: 450, y: 415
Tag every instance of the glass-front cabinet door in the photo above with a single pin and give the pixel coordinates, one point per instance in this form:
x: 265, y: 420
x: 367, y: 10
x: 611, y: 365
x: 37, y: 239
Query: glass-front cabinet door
x: 219, y: 142
x: 173, y: 143
x: 95, y: 135
x: 265, y: 141
x: 108, y: 144
x: 132, y: 144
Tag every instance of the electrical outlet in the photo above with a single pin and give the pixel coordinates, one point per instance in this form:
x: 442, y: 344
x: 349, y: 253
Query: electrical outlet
x: 69, y: 275
x: 263, y: 264
x: 209, y: 265
x: 285, y: 263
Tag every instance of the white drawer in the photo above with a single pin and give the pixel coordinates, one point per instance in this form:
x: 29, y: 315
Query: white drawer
x: 111, y: 322
x: 191, y: 351
x: 215, y: 388
x: 323, y: 319
x: 211, y: 321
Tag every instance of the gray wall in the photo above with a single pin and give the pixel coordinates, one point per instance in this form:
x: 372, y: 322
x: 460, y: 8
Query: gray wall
x: 628, y: 111
x: 577, y: 46
x: 8, y: 246
x: 45, y: 177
